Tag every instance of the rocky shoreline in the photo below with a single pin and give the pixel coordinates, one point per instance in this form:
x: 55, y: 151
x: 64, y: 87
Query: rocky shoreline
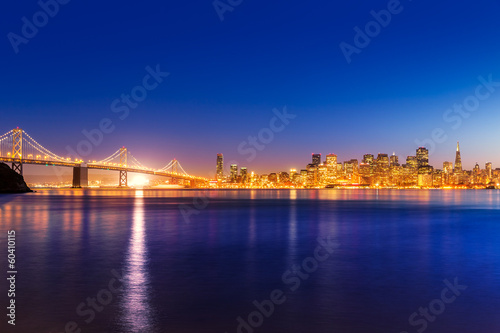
x: 11, y: 182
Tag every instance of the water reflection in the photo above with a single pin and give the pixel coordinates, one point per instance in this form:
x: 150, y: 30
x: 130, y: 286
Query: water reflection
x: 136, y: 307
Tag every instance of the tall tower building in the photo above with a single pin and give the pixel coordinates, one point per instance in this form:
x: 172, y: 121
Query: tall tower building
x: 488, y: 169
x: 316, y: 159
x: 234, y: 172
x: 368, y: 159
x: 394, y: 160
x: 458, y: 160
x: 422, y: 157
x: 447, y: 167
x: 244, y: 174
x: 220, y: 167
x: 331, y: 165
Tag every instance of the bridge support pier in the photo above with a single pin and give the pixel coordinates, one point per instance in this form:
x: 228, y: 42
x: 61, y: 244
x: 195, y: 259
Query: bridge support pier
x: 123, y: 178
x: 80, y: 177
x: 18, y: 167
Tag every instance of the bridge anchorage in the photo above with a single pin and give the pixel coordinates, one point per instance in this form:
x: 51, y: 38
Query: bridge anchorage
x: 18, y: 148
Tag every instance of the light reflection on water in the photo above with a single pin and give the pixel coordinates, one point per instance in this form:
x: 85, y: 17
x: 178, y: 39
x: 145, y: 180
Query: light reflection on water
x: 136, y: 309
x: 396, y: 247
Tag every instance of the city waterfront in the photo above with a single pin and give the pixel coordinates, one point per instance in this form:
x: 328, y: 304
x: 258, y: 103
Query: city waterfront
x: 372, y: 260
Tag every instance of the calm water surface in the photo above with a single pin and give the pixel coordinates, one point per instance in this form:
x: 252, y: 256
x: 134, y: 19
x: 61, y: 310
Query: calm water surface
x: 188, y: 269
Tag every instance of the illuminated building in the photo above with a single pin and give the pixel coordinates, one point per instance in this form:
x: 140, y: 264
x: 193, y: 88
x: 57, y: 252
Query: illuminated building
x: 303, y: 177
x: 394, y: 161
x: 422, y: 157
x: 273, y: 178
x: 411, y: 162
x: 316, y: 159
x: 365, y: 173
x: 458, y: 160
x: 368, y: 159
x: 488, y: 169
x: 322, y: 174
x: 220, y: 167
x: 331, y: 165
x: 424, y: 169
x: 283, y: 178
x: 244, y: 174
x: 448, y: 167
x: 234, y: 172
x: 312, y: 175
x: 447, y: 170
x: 382, y: 169
x: 340, y: 170
x: 410, y: 171
x: 438, y: 178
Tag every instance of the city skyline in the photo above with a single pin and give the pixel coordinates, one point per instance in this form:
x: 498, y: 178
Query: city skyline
x: 225, y: 169
x: 210, y: 94
x: 382, y: 170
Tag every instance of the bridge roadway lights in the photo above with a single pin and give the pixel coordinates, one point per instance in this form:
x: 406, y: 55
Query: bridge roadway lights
x: 123, y: 178
x: 18, y: 167
x: 80, y: 177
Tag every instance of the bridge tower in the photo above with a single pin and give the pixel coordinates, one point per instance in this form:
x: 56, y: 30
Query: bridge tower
x: 174, y: 166
x: 17, y: 150
x: 174, y: 170
x: 123, y: 163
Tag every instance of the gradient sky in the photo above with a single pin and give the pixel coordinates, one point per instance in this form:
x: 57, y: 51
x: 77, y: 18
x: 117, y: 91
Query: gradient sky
x: 227, y: 76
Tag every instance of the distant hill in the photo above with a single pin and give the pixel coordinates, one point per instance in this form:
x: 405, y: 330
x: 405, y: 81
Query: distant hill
x: 11, y: 182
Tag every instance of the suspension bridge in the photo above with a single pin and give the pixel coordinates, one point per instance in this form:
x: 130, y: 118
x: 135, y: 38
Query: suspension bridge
x: 19, y: 148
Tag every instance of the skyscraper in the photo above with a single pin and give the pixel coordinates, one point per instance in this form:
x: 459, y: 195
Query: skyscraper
x: 331, y: 164
x: 458, y: 160
x: 382, y: 169
x: 244, y: 174
x: 488, y: 169
x: 447, y: 167
x: 316, y: 159
x: 234, y: 172
x: 422, y: 157
x: 368, y: 159
x: 394, y: 160
x: 220, y: 167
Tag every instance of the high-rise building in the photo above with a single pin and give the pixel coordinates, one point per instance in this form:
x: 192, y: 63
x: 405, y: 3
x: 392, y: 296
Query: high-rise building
x: 411, y: 162
x: 382, y: 169
x: 368, y: 159
x: 244, y: 174
x: 488, y: 169
x: 234, y: 172
x: 394, y: 160
x: 331, y: 159
x: 331, y: 166
x: 422, y: 157
x: 448, y: 167
x: 477, y: 169
x: 316, y: 159
x: 458, y: 160
x: 220, y: 167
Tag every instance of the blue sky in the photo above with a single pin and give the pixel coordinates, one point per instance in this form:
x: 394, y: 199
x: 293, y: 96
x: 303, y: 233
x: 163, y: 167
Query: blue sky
x: 227, y: 76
